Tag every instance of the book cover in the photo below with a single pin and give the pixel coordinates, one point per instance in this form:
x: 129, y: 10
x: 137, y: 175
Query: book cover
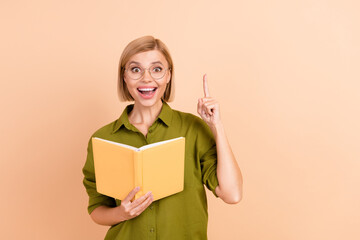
x: 156, y: 167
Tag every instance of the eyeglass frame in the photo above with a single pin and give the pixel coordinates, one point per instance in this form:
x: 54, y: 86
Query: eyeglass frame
x: 146, y: 69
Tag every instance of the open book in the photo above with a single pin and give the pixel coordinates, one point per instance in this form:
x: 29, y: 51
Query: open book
x: 156, y: 167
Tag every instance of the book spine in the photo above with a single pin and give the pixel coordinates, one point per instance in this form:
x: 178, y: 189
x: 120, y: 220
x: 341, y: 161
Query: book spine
x: 138, y: 167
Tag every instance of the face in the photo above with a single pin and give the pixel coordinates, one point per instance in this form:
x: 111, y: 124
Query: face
x: 151, y: 60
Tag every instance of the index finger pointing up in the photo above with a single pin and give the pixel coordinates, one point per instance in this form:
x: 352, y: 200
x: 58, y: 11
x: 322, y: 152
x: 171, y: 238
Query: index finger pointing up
x: 206, y: 88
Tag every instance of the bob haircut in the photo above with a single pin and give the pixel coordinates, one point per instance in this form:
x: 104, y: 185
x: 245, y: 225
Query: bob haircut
x: 143, y: 44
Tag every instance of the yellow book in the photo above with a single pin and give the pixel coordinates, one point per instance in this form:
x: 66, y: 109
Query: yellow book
x: 156, y: 167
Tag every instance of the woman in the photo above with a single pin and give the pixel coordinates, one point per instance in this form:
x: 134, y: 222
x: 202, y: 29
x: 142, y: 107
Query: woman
x: 146, y: 75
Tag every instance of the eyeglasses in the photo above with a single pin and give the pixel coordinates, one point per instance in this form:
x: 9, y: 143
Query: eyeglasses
x: 156, y: 71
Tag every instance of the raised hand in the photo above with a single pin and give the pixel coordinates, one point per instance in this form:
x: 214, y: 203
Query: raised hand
x: 129, y: 210
x: 208, y: 108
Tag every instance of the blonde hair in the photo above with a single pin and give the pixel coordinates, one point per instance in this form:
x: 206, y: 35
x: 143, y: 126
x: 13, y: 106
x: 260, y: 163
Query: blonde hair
x: 143, y: 44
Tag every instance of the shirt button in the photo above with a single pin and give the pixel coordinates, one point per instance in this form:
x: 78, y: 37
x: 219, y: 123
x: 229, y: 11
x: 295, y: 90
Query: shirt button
x: 152, y: 229
x: 150, y: 130
x: 151, y: 207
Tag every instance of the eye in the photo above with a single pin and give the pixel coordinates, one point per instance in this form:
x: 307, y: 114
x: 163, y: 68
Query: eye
x: 135, y: 69
x: 157, y: 69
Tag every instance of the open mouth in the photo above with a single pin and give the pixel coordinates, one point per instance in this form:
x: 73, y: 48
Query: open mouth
x: 147, y: 91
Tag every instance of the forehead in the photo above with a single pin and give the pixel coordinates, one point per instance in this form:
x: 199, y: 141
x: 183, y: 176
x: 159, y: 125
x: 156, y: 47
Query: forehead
x: 148, y: 58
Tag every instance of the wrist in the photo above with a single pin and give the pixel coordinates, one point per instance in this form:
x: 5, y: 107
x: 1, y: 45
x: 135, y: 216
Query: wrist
x: 217, y: 129
x: 118, y: 216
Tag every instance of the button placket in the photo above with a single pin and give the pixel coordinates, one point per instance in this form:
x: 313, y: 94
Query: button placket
x: 150, y: 131
x: 152, y: 222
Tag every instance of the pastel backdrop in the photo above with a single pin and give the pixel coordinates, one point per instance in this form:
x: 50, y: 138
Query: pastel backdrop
x: 286, y: 74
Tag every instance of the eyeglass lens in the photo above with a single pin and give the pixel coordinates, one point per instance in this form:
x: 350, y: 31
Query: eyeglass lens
x: 156, y: 71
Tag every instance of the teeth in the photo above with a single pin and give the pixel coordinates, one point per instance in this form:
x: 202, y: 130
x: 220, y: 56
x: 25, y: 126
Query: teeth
x: 146, y: 89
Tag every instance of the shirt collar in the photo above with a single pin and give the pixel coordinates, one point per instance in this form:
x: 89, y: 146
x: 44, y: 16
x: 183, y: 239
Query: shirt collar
x: 165, y: 116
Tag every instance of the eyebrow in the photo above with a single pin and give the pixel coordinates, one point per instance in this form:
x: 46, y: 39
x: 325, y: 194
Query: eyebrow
x: 140, y: 64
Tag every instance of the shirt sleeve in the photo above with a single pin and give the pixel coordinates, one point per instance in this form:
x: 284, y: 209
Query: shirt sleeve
x: 208, y: 157
x: 95, y: 199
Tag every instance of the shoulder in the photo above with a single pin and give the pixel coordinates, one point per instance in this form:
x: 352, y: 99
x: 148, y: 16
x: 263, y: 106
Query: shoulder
x: 187, y: 117
x: 197, y: 131
x: 104, y: 131
x: 190, y: 120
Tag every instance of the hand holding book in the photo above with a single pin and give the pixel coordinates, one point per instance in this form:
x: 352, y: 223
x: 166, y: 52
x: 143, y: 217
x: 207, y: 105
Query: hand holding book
x: 130, y: 209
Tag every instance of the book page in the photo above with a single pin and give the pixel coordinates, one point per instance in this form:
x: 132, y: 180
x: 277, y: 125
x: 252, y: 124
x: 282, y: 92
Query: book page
x: 119, y: 144
x: 114, y: 168
x: 163, y: 168
x: 158, y: 143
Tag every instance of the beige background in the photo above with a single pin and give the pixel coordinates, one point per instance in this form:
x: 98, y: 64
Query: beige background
x: 286, y: 74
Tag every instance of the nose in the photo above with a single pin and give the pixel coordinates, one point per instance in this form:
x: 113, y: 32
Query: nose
x: 147, y: 77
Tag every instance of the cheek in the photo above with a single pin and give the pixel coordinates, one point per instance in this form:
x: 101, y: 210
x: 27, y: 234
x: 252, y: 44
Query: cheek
x: 163, y: 82
x: 129, y: 86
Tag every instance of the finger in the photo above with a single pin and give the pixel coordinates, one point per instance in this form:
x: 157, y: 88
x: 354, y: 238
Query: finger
x: 203, y: 102
x: 204, y: 113
x: 207, y: 110
x: 210, y: 107
x: 140, y: 199
x: 199, y: 107
x: 131, y: 194
x: 202, y: 109
x: 207, y: 99
x: 205, y: 105
x: 141, y: 207
x: 200, y: 104
x: 205, y: 85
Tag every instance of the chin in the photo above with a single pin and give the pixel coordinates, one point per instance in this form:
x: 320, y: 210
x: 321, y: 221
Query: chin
x: 148, y: 102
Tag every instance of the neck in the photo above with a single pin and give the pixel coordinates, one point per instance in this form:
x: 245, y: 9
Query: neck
x: 145, y: 114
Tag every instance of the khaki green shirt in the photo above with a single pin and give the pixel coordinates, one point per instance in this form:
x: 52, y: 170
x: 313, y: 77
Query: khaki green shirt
x: 179, y: 216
